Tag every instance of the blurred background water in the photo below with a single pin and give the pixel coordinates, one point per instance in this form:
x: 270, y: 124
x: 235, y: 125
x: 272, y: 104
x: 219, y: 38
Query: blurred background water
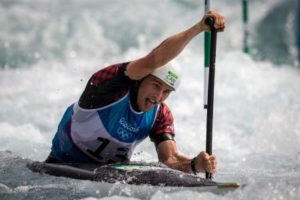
x: 49, y: 49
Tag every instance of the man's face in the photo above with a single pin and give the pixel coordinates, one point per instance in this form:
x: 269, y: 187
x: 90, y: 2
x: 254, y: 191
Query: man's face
x: 152, y: 91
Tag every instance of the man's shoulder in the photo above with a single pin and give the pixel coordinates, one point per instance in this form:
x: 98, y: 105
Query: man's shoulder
x: 164, y: 114
x: 164, y: 108
x: 105, y: 86
x: 109, y: 72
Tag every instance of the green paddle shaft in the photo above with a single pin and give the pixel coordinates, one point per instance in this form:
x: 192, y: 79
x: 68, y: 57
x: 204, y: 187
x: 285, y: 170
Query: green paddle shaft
x: 206, y: 55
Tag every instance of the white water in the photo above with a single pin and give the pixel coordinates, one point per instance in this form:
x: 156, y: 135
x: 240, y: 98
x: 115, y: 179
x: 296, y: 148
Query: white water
x: 54, y: 47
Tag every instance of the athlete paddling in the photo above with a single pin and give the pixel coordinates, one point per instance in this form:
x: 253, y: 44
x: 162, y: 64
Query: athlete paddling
x: 123, y: 104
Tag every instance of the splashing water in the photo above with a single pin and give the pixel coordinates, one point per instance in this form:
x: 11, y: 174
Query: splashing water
x: 49, y: 49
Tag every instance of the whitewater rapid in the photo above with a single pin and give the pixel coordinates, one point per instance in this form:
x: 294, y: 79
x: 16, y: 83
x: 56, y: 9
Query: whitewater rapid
x: 49, y: 50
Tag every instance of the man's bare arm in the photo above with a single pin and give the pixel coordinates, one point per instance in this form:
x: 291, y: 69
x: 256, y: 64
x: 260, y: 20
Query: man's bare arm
x: 170, y: 48
x: 168, y: 154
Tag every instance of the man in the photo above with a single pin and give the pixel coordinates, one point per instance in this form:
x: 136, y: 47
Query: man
x: 123, y: 104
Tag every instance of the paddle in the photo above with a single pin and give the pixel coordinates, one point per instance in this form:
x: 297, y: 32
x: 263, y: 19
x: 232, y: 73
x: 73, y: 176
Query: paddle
x: 211, y: 83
